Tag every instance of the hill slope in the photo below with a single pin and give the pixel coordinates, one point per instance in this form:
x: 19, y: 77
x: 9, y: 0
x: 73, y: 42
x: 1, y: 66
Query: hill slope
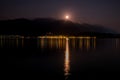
x: 49, y: 26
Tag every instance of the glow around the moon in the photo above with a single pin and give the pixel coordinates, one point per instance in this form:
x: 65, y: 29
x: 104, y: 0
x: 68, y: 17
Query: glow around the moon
x: 67, y: 17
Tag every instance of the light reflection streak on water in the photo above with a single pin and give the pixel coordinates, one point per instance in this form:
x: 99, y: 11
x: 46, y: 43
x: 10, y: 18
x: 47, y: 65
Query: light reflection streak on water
x: 17, y: 42
x: 42, y: 42
x: 22, y: 41
x: 80, y: 43
x: 51, y: 42
x: 67, y: 60
x: 73, y: 42
x: 11, y: 41
x: 94, y: 42
x: 117, y: 43
x: 85, y: 43
x: 88, y: 43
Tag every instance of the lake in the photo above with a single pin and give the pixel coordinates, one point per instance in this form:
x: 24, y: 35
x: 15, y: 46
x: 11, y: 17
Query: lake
x: 60, y: 57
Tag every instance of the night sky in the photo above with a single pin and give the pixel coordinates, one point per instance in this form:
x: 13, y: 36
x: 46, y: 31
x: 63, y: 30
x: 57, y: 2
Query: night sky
x: 103, y: 12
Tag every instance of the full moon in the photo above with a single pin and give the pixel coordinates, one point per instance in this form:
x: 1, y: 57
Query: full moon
x: 67, y: 17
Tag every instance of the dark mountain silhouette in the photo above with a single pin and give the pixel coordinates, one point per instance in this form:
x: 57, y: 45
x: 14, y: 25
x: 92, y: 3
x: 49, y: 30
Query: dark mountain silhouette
x: 48, y: 26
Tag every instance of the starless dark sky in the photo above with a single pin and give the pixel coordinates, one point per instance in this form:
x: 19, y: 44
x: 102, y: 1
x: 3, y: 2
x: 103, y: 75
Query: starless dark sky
x: 103, y: 12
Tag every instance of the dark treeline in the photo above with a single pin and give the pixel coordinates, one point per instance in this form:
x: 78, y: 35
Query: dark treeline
x: 49, y: 26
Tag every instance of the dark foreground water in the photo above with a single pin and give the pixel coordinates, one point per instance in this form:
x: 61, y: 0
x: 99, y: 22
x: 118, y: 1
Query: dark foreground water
x: 60, y: 58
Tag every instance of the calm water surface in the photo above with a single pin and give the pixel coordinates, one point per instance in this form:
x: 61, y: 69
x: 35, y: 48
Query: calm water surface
x: 61, y: 58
